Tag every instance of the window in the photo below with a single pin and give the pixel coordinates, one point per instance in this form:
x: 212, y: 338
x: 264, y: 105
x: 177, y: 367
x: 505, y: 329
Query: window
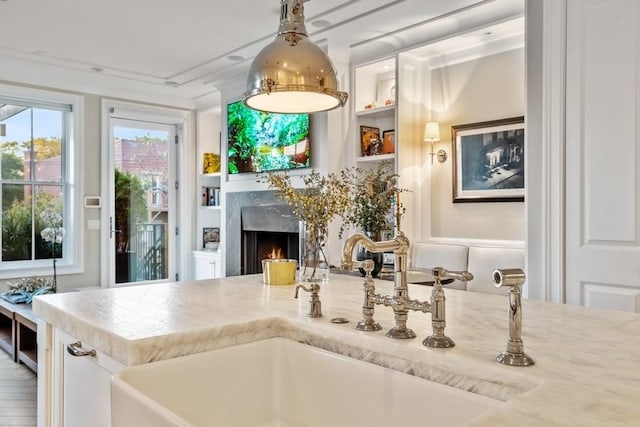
x: 36, y: 194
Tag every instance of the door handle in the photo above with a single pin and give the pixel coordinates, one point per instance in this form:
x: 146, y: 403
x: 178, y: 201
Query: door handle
x: 74, y: 349
x: 111, y: 229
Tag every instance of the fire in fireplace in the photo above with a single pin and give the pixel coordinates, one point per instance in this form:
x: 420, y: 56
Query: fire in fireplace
x: 268, y: 232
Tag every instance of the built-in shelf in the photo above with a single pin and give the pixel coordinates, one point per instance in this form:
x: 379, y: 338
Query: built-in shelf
x: 378, y: 112
x: 212, y: 175
x: 378, y: 158
x: 215, y: 208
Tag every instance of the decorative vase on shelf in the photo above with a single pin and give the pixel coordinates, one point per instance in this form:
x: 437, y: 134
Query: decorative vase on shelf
x: 314, y: 266
x: 376, y: 257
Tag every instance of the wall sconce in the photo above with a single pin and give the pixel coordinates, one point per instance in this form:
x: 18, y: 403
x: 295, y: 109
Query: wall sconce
x: 3, y: 129
x: 431, y: 135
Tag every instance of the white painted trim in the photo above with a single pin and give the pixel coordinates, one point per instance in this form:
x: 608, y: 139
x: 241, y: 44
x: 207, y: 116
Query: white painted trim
x: 477, y: 52
x: 183, y: 120
x: 545, y: 56
x: 75, y: 184
x: 554, y: 143
x: 514, y: 244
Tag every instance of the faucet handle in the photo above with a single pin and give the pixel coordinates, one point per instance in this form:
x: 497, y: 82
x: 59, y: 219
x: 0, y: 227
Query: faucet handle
x: 442, y: 273
x: 367, y: 265
x: 315, y: 306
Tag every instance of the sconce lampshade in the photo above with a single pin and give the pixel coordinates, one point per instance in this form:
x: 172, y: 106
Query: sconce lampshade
x: 432, y: 132
x: 291, y: 74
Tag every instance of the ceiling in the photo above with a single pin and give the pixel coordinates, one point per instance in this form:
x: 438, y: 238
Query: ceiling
x: 182, y: 53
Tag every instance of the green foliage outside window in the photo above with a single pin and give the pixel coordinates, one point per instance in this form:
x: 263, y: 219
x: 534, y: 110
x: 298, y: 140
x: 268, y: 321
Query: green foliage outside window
x: 17, y: 229
x: 130, y: 207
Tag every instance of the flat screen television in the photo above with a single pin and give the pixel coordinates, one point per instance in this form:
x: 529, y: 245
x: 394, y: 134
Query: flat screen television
x: 259, y: 141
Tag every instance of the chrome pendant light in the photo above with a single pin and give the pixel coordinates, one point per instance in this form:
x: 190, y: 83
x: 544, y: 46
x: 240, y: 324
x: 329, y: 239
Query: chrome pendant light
x: 291, y: 74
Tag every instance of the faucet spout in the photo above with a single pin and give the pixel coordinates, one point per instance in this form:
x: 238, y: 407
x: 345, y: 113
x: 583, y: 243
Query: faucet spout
x: 399, y: 245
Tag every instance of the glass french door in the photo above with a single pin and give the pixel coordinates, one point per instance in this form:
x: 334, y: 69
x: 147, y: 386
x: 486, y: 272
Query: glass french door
x: 142, y: 223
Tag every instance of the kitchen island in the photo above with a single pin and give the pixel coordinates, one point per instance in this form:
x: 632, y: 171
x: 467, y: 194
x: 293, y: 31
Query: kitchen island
x: 586, y: 361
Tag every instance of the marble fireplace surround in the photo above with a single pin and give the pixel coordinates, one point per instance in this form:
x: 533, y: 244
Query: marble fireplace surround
x: 261, y: 210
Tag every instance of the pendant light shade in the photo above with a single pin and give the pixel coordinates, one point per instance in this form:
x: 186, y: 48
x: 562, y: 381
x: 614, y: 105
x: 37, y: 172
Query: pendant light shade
x: 291, y: 74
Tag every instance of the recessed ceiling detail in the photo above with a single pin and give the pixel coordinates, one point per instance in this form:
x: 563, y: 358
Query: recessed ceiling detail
x: 199, y: 46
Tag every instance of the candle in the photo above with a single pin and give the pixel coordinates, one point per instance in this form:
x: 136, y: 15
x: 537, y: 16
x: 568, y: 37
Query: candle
x: 279, y: 271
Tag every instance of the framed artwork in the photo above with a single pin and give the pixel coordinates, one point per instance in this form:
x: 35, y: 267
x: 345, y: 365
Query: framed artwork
x: 389, y: 141
x: 488, y: 161
x: 370, y: 142
x: 210, y: 237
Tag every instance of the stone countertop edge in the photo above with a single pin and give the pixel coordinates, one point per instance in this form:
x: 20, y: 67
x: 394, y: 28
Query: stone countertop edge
x: 586, y: 370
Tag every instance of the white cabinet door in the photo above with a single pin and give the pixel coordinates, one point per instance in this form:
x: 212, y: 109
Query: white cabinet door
x: 206, y: 265
x: 603, y: 155
x: 83, y: 392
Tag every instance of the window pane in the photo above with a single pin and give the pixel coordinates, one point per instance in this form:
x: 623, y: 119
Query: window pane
x: 16, y: 222
x: 49, y: 230
x: 47, y: 144
x: 18, y: 135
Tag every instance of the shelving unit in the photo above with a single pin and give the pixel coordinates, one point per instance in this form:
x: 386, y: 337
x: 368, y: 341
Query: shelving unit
x: 18, y: 333
x: 375, y: 94
x: 7, y: 329
x: 210, y: 208
x: 26, y: 339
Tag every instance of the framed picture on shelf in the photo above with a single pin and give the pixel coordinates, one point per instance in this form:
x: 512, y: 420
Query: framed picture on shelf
x: 370, y: 142
x: 389, y: 141
x: 488, y: 161
x: 210, y: 163
x: 210, y: 237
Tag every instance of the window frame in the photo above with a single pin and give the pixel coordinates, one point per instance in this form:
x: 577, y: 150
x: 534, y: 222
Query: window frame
x: 72, y: 260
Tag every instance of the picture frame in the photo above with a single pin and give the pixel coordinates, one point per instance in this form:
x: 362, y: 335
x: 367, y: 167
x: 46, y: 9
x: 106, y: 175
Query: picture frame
x: 488, y: 161
x: 389, y: 141
x: 370, y: 142
x: 210, y: 237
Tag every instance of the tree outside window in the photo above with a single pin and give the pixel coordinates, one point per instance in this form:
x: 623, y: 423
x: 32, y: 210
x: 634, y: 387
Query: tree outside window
x: 31, y: 179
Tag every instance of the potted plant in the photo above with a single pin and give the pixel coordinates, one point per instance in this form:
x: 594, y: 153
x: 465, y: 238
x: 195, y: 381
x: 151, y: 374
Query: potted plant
x: 374, y: 192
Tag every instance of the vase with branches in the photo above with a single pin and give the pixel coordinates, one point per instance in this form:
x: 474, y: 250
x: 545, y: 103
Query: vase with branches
x: 374, y: 193
x: 316, y: 202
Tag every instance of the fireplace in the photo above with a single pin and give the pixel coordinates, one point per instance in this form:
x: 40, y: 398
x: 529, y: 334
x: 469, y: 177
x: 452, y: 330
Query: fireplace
x: 270, y: 231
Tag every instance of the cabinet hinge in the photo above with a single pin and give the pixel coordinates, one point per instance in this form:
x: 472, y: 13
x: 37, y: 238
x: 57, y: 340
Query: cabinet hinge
x: 176, y: 185
x: 177, y: 231
x: 176, y: 139
x: 177, y: 277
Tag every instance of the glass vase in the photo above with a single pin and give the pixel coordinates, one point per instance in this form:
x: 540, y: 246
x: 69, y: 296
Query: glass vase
x: 314, y: 267
x: 376, y: 257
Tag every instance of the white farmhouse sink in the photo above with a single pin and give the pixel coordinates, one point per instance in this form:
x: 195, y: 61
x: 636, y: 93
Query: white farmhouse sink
x: 282, y: 383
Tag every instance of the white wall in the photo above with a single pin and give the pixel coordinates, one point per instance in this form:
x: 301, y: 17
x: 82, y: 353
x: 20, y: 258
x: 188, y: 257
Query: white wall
x: 488, y: 88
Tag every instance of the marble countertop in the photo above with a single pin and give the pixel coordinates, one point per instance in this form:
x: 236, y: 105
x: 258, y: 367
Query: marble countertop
x: 586, y: 368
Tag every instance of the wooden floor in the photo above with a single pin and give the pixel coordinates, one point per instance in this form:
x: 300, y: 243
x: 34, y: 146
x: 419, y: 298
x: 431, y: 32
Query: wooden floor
x: 18, y: 389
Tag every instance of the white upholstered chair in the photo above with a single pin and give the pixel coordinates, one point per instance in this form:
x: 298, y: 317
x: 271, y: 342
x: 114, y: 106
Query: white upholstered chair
x: 484, y: 260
